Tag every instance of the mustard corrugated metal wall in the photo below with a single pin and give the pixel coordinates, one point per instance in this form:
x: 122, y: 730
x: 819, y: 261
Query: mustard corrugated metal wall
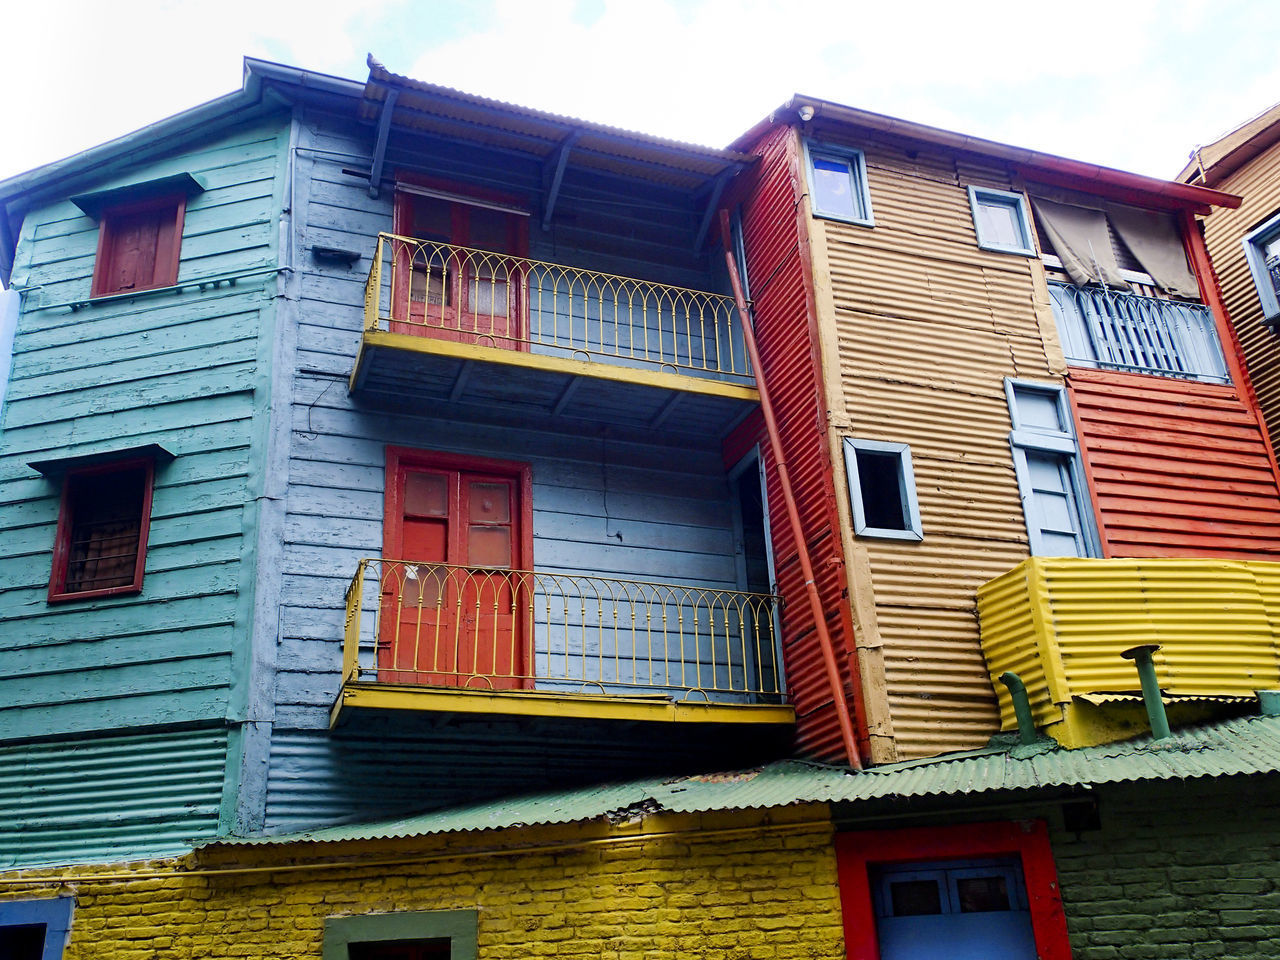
x: 782, y: 324
x: 928, y: 326
x: 1259, y: 184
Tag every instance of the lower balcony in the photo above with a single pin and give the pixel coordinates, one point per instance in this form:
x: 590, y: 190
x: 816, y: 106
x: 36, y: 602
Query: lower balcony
x: 451, y: 324
x: 454, y: 639
x: 1062, y: 624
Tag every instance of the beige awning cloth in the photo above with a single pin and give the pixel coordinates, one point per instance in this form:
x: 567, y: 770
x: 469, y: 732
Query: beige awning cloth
x: 1080, y: 239
x: 1155, y: 241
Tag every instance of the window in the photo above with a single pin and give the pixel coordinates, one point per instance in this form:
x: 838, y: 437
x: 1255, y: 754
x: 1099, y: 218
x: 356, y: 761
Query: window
x: 978, y: 889
x: 422, y: 935
x: 1001, y: 221
x: 838, y: 183
x: 1055, y: 499
x: 101, y: 543
x: 34, y: 929
x: 882, y: 490
x: 138, y: 246
x: 1262, y: 252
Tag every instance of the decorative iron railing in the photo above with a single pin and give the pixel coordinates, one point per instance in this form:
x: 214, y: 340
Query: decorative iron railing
x: 458, y: 293
x: 1127, y: 331
x: 443, y: 625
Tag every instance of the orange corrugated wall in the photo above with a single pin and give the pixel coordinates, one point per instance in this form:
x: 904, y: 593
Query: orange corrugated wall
x: 1177, y: 468
x: 777, y: 270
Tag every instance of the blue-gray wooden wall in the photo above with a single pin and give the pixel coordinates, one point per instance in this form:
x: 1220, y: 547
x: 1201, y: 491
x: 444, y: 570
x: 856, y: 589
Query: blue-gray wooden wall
x: 189, y: 371
x: 609, y: 507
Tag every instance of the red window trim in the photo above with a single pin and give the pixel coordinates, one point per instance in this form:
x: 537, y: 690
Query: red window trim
x: 62, y: 539
x: 857, y: 852
x: 398, y: 457
x: 166, y: 272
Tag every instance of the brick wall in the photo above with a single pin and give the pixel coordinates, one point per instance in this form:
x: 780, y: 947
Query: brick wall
x: 1178, y: 871
x: 766, y: 890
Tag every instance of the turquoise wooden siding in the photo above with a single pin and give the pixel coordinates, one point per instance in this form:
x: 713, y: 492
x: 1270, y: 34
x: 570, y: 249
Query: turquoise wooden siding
x: 188, y: 371
x: 109, y: 798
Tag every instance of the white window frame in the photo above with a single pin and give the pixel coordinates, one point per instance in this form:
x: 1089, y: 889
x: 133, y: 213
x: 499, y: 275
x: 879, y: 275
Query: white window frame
x: 1025, y: 437
x: 856, y: 164
x: 1253, y: 242
x: 1003, y: 198
x: 906, y: 489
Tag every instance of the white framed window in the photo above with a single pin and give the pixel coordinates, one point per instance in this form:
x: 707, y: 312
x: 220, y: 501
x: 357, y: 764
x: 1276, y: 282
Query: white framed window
x: 838, y: 183
x: 1046, y: 460
x: 1002, y: 221
x: 882, y: 490
x: 1262, y: 252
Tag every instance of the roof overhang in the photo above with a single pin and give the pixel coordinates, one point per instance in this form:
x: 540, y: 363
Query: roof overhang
x: 1216, y: 161
x: 1031, y: 164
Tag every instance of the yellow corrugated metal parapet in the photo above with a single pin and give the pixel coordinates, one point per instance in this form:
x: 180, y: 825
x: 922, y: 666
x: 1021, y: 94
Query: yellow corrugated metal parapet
x: 1012, y: 616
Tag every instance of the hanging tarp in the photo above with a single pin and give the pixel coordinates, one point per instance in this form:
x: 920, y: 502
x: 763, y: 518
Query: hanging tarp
x: 1080, y: 239
x: 1154, y: 239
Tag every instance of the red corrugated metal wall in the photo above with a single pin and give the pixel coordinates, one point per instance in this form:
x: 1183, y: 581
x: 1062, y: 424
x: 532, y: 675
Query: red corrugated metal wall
x: 780, y: 291
x: 1177, y: 468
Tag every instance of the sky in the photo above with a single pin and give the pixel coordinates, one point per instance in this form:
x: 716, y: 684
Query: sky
x: 1134, y: 84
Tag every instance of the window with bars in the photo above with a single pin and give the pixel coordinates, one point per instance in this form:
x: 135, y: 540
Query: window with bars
x: 102, y: 531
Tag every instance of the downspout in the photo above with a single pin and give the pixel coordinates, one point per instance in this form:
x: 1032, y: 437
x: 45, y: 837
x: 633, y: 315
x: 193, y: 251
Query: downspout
x: 788, y: 497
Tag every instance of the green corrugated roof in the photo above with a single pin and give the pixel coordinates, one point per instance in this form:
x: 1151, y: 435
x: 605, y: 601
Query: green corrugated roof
x: 1244, y: 746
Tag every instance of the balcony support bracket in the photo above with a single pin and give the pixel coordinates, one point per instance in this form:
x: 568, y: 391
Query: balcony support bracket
x: 565, y: 396
x: 561, y: 159
x: 716, y: 190
x: 380, y: 146
x: 460, y: 382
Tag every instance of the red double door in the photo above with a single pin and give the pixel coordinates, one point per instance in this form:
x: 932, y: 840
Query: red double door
x: 459, y: 276
x: 453, y: 602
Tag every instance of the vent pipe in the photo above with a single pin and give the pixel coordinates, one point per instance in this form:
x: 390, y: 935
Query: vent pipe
x: 1151, y: 696
x: 1021, y: 706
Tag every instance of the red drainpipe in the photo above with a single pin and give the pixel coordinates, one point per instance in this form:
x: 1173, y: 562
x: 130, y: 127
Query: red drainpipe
x: 793, y: 513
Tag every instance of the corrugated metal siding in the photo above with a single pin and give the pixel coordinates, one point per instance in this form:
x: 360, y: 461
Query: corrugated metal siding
x: 110, y: 798
x: 1061, y: 624
x: 789, y: 351
x: 1179, y: 468
x: 929, y: 325
x: 1259, y: 185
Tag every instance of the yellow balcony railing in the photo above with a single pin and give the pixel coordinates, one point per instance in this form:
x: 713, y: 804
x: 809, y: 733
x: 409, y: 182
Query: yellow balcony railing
x: 493, y: 299
x: 441, y: 625
x: 1062, y: 623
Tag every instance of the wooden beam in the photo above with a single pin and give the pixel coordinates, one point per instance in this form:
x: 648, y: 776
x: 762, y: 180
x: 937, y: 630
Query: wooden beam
x: 557, y: 177
x: 380, y: 147
x: 716, y: 190
x: 668, y: 408
x: 460, y: 382
x: 565, y: 396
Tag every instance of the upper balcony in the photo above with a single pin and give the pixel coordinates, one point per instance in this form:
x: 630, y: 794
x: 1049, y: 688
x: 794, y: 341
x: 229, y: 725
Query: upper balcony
x: 449, y: 323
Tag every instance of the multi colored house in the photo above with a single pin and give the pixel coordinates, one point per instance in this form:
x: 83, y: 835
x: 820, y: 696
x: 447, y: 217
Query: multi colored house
x: 435, y: 528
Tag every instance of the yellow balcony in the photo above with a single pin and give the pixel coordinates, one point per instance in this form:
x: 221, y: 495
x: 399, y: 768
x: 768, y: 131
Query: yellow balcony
x: 439, y: 637
x: 445, y: 323
x: 1061, y: 624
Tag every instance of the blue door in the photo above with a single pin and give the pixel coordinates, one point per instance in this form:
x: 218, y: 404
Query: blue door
x: 957, y: 909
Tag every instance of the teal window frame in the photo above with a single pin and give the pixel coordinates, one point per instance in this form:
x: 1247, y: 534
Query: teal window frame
x: 1253, y: 243
x: 459, y: 927
x: 913, y: 529
x: 1060, y: 443
x: 855, y: 163
x: 978, y: 196
x: 53, y: 914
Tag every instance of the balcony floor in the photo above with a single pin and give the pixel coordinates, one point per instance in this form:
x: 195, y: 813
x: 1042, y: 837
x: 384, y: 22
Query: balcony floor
x: 357, y: 695
x: 405, y: 368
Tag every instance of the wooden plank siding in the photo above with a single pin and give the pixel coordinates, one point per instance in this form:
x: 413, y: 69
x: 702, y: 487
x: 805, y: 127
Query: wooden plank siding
x: 928, y: 326
x: 789, y: 351
x: 1178, y: 469
x: 184, y: 370
x: 1258, y: 182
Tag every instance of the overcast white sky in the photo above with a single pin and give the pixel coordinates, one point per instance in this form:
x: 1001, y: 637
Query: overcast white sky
x: 1129, y: 83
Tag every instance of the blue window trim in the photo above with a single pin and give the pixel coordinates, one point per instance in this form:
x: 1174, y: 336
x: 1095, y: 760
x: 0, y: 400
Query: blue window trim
x: 1004, y: 198
x: 459, y: 927
x: 857, y: 163
x: 54, y: 914
x: 1252, y: 243
x: 906, y: 488
x: 1024, y: 437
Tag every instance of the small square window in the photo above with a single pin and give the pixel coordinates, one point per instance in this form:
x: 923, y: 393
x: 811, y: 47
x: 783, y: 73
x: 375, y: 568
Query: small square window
x: 882, y: 490
x: 138, y: 245
x: 418, y: 935
x: 1262, y: 252
x: 838, y: 183
x: 101, y: 544
x: 34, y: 929
x: 1001, y: 221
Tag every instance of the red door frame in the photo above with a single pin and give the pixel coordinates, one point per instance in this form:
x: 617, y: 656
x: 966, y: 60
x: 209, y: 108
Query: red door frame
x: 401, y: 458
x: 1028, y: 840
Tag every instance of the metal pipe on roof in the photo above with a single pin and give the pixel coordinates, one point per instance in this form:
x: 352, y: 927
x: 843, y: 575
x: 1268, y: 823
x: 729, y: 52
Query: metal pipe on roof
x: 1151, y: 696
x: 1021, y: 706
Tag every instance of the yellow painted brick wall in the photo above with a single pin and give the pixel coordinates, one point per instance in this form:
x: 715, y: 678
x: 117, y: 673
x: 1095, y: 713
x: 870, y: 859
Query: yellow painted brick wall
x: 726, y: 887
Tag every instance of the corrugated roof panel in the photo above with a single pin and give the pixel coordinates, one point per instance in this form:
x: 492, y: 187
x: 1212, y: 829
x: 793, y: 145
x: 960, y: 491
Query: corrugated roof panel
x: 1244, y: 746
